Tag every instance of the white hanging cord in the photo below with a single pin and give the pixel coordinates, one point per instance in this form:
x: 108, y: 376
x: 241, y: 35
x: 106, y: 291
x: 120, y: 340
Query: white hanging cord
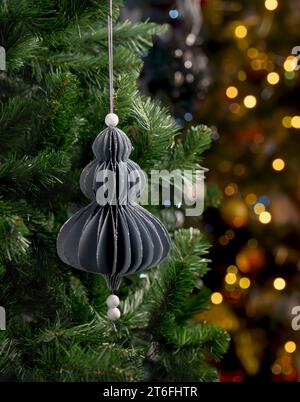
x: 111, y: 119
x: 110, y: 57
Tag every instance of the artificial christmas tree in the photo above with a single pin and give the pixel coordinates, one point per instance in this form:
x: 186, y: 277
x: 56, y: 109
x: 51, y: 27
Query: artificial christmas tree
x: 54, y: 98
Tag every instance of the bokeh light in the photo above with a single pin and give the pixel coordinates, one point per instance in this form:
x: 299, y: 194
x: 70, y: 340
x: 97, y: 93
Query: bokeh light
x: 290, y: 347
x: 271, y: 5
x: 290, y: 63
x: 279, y: 283
x: 278, y: 164
x: 295, y: 122
x: 216, y: 298
x: 241, y: 31
x: 250, y: 101
x: 265, y: 217
x: 273, y: 78
x: 244, y: 283
x: 232, y: 92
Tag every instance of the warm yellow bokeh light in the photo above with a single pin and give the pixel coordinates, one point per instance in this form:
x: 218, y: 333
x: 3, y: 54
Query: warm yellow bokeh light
x: 234, y: 108
x: 250, y: 101
x: 287, y: 122
x: 231, y: 189
x: 278, y: 164
x: 230, y: 278
x: 232, y: 92
x: 271, y: 5
x: 232, y: 269
x: 279, y: 283
x: 290, y: 63
x: 216, y: 298
x: 251, y: 198
x: 244, y: 283
x: 241, y: 31
x: 265, y: 217
x: 295, y: 121
x: 259, y: 208
x: 290, y: 347
x: 242, y: 75
x: 273, y: 78
x: 252, y: 52
x: 276, y: 369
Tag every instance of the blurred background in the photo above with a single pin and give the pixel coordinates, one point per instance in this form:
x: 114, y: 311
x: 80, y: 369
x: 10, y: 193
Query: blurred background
x: 233, y: 66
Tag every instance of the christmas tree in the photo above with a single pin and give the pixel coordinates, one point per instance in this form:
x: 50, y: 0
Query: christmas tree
x: 54, y: 98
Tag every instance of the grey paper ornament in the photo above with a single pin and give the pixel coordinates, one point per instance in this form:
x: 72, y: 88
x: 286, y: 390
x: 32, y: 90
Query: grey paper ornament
x: 113, y: 235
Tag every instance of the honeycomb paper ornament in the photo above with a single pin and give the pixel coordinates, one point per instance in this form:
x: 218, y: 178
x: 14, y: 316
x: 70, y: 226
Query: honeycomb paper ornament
x: 119, y: 238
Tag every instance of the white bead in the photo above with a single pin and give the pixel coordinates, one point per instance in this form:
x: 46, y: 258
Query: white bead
x: 112, y: 301
x: 111, y: 120
x: 113, y: 314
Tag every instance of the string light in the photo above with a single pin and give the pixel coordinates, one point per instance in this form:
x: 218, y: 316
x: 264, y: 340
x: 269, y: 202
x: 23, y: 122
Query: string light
x: 235, y: 108
x: 290, y: 63
x: 232, y: 269
x: 244, y: 283
x: 251, y: 198
x: 276, y: 369
x: 279, y: 283
x: 174, y: 14
x: 241, y: 31
x: 230, y: 278
x: 232, y: 92
x: 256, y: 64
x: 273, y: 78
x: 188, y: 64
x: 178, y: 53
x: 216, y: 298
x: 287, y: 122
x: 250, y: 101
x: 231, y: 189
x: 259, y: 208
x: 252, y: 53
x: 295, y: 122
x: 290, y: 347
x: 265, y: 217
x: 278, y: 164
x: 271, y: 5
x: 242, y: 76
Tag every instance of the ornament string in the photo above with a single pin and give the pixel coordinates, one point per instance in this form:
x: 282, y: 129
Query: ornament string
x: 110, y: 56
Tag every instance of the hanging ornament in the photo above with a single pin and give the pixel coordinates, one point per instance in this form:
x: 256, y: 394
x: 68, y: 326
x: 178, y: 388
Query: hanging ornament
x: 113, y: 235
